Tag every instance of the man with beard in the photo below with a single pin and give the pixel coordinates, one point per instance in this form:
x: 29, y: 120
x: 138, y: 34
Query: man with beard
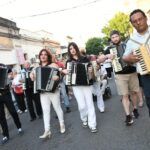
x: 125, y: 77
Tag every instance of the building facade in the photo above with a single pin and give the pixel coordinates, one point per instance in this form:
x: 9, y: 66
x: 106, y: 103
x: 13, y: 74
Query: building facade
x: 18, y: 45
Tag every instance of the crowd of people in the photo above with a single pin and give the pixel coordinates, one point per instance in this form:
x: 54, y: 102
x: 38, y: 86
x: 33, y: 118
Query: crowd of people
x: 131, y: 85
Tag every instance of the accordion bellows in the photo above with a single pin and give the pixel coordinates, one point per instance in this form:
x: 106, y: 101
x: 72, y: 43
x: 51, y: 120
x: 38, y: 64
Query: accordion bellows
x: 44, y: 81
x: 78, y: 74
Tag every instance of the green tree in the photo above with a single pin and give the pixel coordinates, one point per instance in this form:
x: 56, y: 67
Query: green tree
x: 119, y: 22
x: 94, y: 46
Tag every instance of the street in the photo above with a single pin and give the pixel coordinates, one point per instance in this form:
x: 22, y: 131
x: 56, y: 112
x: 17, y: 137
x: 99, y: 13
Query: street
x: 112, y: 133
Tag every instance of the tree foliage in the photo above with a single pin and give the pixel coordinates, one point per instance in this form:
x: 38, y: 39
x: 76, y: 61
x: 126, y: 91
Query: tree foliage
x: 94, y: 45
x: 119, y: 22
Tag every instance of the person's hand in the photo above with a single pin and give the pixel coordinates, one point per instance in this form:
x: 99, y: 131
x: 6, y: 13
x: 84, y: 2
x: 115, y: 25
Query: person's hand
x: 55, y: 78
x: 101, y: 58
x: 131, y: 58
x: 32, y: 76
x: 64, y: 71
x: 110, y: 56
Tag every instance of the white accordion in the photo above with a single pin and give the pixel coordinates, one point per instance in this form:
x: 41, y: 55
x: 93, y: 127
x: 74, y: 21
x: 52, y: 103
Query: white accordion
x: 115, y: 62
x: 143, y: 53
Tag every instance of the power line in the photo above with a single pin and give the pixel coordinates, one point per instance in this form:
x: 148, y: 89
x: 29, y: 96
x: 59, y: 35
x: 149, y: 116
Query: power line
x: 57, y: 11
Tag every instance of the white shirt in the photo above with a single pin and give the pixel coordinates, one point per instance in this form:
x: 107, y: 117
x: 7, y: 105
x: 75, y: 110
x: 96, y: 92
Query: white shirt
x: 131, y: 46
x: 107, y: 63
x: 16, y: 80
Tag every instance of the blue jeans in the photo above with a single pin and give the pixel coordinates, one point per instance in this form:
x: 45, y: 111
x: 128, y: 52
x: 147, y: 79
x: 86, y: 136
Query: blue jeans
x: 64, y: 93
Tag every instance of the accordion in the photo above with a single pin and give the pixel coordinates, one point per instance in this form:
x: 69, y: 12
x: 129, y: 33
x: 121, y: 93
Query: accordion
x: 44, y: 81
x: 3, y: 78
x: 115, y: 62
x: 27, y: 82
x: 78, y: 74
x: 143, y: 53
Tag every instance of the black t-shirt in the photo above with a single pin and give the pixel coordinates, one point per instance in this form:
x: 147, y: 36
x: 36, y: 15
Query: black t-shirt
x: 127, y: 69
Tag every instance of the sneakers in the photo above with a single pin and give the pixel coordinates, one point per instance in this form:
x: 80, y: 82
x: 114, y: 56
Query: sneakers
x: 84, y: 124
x: 102, y: 110
x: 135, y: 113
x: 19, y: 111
x: 4, y: 140
x: 62, y: 128
x: 26, y: 111
x: 20, y: 131
x: 129, y: 120
x: 93, y: 129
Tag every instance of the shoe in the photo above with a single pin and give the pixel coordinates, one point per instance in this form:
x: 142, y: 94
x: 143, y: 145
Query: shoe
x: 68, y: 110
x: 32, y: 119
x: 62, y: 128
x: 102, y: 111
x: 47, y: 134
x: 141, y: 104
x: 129, y: 121
x: 4, y: 140
x: 20, y: 131
x: 93, y: 129
x: 135, y: 114
x: 26, y: 111
x: 19, y: 111
x: 84, y: 124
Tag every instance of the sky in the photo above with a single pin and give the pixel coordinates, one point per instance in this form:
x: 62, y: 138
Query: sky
x: 80, y: 23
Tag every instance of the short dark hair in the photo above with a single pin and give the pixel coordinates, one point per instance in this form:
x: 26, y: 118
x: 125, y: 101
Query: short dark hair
x: 114, y: 32
x: 137, y: 11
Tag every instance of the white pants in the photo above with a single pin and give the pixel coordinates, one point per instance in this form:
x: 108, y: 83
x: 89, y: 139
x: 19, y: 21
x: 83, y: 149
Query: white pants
x: 104, y: 84
x: 98, y: 92
x: 83, y: 95
x: 46, y: 100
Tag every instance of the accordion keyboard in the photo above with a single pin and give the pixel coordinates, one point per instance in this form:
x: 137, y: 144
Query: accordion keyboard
x: 144, y: 63
x: 68, y: 76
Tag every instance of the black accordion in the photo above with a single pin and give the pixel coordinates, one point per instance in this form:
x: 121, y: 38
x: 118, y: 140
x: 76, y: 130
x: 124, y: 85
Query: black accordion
x: 44, y: 81
x: 78, y: 74
x: 3, y: 78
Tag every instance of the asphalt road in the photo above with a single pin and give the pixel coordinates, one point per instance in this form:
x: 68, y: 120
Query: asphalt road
x: 112, y: 133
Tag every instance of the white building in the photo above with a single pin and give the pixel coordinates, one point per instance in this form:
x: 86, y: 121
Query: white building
x: 17, y: 45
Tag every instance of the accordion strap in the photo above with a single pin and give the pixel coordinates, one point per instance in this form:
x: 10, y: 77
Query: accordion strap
x: 139, y: 42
